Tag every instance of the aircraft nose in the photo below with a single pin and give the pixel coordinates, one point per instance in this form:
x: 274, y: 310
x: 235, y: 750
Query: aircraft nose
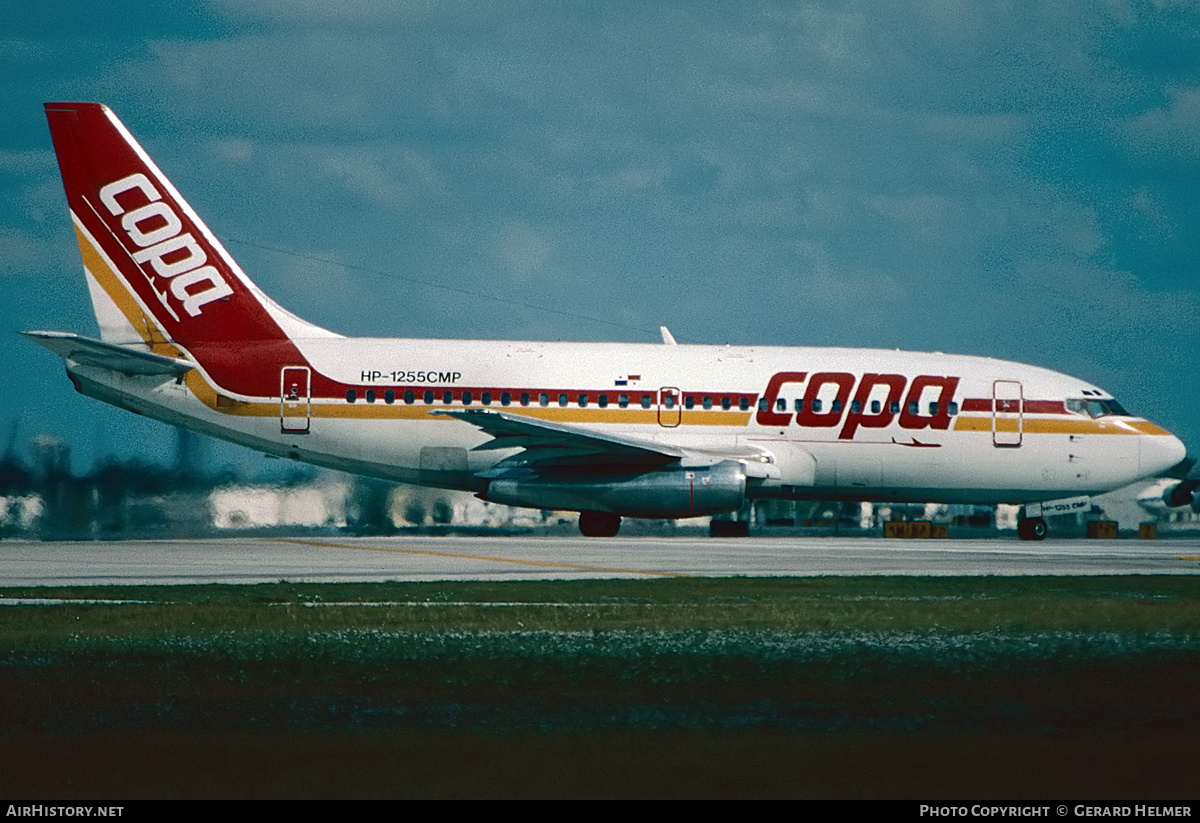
x: 1159, y: 452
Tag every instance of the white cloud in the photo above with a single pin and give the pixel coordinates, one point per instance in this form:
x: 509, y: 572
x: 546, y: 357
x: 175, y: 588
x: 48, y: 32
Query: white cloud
x: 20, y: 253
x: 1168, y: 130
x: 991, y: 127
x: 27, y: 162
x: 924, y: 216
x: 523, y: 250
x: 233, y: 150
x: 344, y: 12
x: 1106, y: 304
x: 1144, y: 202
x: 631, y: 179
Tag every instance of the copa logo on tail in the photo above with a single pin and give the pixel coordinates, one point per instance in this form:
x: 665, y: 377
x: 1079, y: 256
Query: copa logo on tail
x: 173, y: 254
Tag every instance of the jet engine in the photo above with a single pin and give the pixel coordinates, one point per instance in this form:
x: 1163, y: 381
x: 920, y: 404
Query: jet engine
x: 672, y: 492
x: 1186, y: 493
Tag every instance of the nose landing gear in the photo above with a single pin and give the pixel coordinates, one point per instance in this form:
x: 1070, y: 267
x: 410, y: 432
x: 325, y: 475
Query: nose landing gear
x: 1031, y: 528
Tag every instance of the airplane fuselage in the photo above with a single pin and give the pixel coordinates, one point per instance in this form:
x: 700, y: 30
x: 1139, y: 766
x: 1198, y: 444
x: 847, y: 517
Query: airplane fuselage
x: 829, y: 423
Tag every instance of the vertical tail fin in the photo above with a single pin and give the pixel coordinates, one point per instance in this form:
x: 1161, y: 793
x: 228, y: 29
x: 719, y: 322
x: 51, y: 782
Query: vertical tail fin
x: 156, y: 274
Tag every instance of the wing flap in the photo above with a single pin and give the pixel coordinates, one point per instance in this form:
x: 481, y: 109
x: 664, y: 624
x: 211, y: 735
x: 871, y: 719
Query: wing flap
x: 543, y: 442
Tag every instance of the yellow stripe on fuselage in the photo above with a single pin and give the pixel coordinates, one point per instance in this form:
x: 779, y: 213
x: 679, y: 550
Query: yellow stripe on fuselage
x: 1046, y: 425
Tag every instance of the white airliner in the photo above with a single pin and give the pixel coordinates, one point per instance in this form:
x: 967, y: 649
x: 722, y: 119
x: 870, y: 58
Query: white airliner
x: 609, y: 430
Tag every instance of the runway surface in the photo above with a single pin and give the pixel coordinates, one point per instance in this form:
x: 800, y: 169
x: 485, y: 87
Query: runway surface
x: 347, y: 559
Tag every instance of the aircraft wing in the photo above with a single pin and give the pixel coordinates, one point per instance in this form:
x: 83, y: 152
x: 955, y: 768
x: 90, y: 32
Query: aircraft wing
x: 91, y: 352
x: 545, y: 443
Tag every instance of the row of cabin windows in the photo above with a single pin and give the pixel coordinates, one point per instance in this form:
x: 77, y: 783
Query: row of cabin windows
x: 876, y: 406
x: 429, y: 397
x: 646, y: 401
x: 707, y: 402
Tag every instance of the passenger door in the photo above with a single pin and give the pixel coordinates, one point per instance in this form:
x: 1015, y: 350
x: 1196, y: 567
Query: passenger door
x: 670, y: 411
x: 1008, y: 421
x: 295, y: 407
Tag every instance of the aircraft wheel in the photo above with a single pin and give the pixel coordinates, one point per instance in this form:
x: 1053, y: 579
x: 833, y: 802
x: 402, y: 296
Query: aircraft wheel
x: 599, y: 524
x: 1032, y: 528
x: 728, y: 528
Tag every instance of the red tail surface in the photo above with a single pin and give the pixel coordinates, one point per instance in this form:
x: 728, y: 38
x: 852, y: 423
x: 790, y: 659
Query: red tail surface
x: 156, y: 273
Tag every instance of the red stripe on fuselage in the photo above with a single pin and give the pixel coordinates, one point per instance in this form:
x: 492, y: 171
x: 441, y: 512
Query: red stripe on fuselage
x: 984, y: 404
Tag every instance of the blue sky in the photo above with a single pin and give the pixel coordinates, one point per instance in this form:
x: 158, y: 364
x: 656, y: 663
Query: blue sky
x: 1008, y: 179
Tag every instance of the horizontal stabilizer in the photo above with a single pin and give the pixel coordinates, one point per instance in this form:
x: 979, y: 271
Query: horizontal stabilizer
x: 89, y: 352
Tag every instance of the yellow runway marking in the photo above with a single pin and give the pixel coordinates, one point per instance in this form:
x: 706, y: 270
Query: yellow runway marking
x: 543, y: 563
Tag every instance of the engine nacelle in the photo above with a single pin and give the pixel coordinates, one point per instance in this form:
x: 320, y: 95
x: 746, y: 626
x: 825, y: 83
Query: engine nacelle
x: 1186, y: 493
x: 665, y: 493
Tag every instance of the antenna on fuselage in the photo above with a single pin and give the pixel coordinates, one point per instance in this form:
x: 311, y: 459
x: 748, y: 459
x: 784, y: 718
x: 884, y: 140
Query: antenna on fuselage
x: 667, y: 338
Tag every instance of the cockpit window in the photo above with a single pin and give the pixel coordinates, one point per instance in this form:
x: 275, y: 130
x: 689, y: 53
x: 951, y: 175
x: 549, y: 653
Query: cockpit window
x: 1096, y: 408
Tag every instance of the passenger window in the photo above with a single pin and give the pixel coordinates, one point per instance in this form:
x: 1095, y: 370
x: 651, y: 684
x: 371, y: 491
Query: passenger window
x: 389, y: 396
x: 914, y: 408
x: 669, y: 401
x: 689, y: 402
x: 602, y: 401
x: 525, y: 398
x: 409, y: 397
x: 486, y: 398
x: 583, y: 398
x: 562, y: 400
x: 855, y: 407
x: 744, y: 403
x: 952, y: 407
x: 894, y: 407
x: 351, y: 395
x: 544, y: 399
x: 447, y: 398
x: 466, y: 398
x: 646, y: 401
x: 875, y: 407
x: 837, y: 407
x: 707, y: 403
x: 623, y: 401
x: 781, y: 404
x: 799, y: 404
x: 370, y: 395
x: 726, y: 403
x: 933, y: 408
x: 428, y: 398
x: 505, y: 398
x: 816, y: 407
x: 762, y: 404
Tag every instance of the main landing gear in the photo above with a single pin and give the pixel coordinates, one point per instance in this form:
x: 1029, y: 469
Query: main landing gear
x: 729, y: 528
x: 1031, y: 528
x: 599, y: 524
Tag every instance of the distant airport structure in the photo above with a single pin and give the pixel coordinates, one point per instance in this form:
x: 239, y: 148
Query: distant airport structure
x: 114, y: 500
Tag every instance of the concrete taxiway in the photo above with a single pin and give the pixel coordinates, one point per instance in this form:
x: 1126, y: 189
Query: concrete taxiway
x: 347, y: 559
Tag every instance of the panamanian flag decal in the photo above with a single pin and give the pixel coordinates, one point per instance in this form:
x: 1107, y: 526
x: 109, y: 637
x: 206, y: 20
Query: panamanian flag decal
x: 627, y: 380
